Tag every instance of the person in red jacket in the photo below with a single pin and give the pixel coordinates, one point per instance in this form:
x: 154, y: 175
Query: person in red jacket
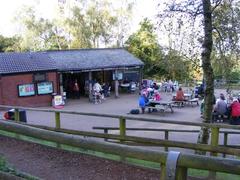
x: 235, y: 112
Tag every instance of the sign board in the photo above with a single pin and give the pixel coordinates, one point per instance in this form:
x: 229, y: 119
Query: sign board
x: 58, y: 101
x: 45, y: 88
x: 26, y: 90
x: 119, y: 76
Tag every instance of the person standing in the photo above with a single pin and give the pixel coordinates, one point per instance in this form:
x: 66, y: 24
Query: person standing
x: 76, y: 89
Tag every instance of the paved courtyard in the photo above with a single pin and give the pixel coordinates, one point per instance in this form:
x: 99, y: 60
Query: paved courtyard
x: 122, y: 106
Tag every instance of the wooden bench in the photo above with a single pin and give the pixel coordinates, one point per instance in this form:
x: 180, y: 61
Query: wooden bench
x: 157, y: 108
x: 179, y: 103
x: 192, y: 101
x: 161, y: 107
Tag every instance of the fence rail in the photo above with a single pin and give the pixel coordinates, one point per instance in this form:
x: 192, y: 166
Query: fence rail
x: 51, y: 134
x: 184, y: 161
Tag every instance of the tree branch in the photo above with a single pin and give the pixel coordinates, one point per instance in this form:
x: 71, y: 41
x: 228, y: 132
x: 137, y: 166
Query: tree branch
x: 218, y: 2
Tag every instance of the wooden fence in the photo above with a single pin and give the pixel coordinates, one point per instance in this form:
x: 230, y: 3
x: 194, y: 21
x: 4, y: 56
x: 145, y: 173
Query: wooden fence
x: 184, y: 161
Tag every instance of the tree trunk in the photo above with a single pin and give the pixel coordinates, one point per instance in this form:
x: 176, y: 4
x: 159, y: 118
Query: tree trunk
x: 207, y: 69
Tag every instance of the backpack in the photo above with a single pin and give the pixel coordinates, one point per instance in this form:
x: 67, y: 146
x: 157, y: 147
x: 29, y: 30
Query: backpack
x: 134, y: 111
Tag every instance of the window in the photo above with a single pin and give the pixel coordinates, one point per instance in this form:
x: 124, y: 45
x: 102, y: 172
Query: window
x: 45, y: 88
x: 118, y: 77
x: 39, y: 77
x: 26, y: 90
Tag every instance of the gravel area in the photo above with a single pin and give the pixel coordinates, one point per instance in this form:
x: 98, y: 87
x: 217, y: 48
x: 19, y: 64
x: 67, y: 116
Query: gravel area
x: 53, y: 164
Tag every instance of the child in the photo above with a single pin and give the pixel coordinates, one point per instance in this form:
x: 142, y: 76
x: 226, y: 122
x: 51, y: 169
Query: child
x: 156, y: 96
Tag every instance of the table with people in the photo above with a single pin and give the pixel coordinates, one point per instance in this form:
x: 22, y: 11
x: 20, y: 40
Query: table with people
x: 181, y: 98
x: 151, y: 100
x: 225, y: 110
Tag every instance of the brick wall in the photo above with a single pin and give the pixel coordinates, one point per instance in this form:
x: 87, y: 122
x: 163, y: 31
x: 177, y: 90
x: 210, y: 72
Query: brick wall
x: 9, y: 90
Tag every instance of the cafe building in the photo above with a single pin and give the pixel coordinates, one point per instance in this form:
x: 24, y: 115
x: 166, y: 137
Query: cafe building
x: 31, y: 78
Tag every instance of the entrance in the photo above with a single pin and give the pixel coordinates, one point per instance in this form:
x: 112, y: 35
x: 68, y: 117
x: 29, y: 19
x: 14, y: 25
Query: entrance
x: 69, y: 80
x: 82, y: 78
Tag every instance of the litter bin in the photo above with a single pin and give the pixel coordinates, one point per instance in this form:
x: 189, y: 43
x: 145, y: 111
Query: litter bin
x: 22, y: 115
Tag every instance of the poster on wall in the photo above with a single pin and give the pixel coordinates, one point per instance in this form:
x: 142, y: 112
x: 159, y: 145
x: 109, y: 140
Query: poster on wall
x: 119, y: 76
x: 26, y: 90
x: 45, y: 88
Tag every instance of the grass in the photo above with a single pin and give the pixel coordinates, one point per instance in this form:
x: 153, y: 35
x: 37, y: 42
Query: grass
x: 137, y: 162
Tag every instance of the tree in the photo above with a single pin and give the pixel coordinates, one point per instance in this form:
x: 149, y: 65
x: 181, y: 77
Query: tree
x: 78, y: 30
x: 177, y: 67
x: 226, y: 30
x: 144, y: 45
x: 39, y: 33
x: 8, y: 44
x: 87, y: 24
x: 207, y: 68
x: 200, y: 11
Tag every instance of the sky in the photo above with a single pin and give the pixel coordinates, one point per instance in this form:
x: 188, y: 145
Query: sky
x: 9, y: 8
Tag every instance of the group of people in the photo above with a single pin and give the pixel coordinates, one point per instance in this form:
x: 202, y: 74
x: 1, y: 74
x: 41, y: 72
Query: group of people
x: 74, y: 89
x: 101, y: 92
x: 223, y: 109
x: 170, y: 86
x: 146, y: 95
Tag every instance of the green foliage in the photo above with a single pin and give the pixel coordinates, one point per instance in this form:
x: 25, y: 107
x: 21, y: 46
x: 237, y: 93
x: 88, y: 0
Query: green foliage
x: 144, y: 45
x: 88, y: 24
x: 178, y: 67
x: 226, y: 32
x: 9, y: 44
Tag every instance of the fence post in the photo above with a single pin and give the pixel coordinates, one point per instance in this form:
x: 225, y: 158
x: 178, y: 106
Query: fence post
x: 122, y: 124
x: 225, y: 140
x: 16, y: 115
x: 214, y: 143
x: 214, y: 138
x: 166, y: 133
x: 181, y: 173
x: 163, y: 172
x: 57, y: 120
x: 105, y: 132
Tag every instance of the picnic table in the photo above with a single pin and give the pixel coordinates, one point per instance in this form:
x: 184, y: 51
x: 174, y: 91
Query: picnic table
x: 187, y: 96
x: 160, y: 105
x: 187, y: 100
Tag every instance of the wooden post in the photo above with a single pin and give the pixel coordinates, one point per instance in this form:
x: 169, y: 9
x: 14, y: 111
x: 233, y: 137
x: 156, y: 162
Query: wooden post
x: 61, y: 83
x: 16, y: 115
x: 105, y: 132
x: 225, y: 140
x: 181, y: 173
x: 214, y: 138
x: 214, y: 143
x: 122, y: 124
x: 57, y: 120
x: 163, y: 172
x: 90, y: 85
x: 116, y: 84
x: 166, y: 138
